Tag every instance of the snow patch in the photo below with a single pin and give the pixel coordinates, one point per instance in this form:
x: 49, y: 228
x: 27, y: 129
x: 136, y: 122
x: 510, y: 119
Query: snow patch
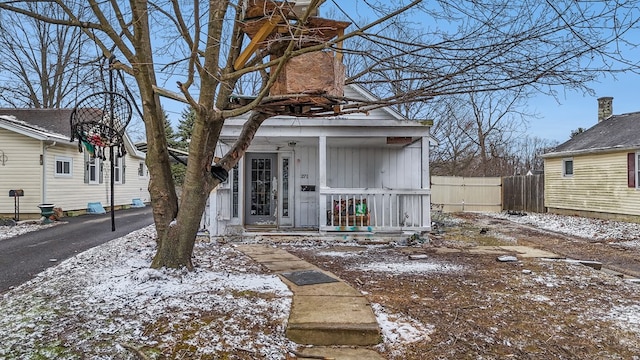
x: 342, y: 254
x: 7, y: 232
x: 588, y: 228
x: 398, y: 330
x: 410, y: 267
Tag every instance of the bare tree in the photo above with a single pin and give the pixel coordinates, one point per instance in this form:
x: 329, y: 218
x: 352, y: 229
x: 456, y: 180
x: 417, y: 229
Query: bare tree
x: 528, y: 150
x: 45, y: 65
x: 491, y: 45
x: 455, y: 152
x: 496, y: 45
x: 478, y: 133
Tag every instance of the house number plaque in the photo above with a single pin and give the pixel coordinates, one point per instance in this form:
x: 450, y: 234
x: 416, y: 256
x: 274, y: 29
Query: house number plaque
x: 3, y: 158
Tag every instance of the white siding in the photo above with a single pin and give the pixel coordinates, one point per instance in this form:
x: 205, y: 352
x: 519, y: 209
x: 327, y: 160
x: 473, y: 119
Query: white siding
x: 395, y: 168
x: 359, y: 167
x: 69, y: 193
x: 21, y: 170
x: 306, y: 173
x: 133, y: 186
x: 74, y: 194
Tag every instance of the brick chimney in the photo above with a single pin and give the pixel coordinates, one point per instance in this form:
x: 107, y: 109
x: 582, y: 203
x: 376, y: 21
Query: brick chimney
x: 605, y: 107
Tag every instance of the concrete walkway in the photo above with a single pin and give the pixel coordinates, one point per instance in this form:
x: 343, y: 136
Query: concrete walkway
x: 333, y: 316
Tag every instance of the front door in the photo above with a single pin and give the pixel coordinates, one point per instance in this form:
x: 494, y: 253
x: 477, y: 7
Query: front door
x: 261, y: 188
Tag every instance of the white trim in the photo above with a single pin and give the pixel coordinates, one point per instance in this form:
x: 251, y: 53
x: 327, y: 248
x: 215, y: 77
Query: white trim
x: 63, y: 160
x: 118, y: 169
x: 10, y: 123
x: 564, y: 167
x: 96, y: 167
x: 145, y: 172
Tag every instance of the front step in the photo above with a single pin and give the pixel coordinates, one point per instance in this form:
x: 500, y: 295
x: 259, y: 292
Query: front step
x: 339, y: 353
x: 332, y: 320
x: 321, y: 314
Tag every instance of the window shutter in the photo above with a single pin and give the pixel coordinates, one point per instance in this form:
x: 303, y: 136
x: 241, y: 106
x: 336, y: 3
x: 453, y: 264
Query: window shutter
x: 124, y: 167
x: 100, y: 166
x: 631, y: 170
x: 86, y: 168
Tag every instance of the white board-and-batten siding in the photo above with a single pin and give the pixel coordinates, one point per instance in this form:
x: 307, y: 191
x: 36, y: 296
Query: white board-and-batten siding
x: 598, y: 184
x: 353, y: 167
x: 395, y: 168
x: 21, y: 170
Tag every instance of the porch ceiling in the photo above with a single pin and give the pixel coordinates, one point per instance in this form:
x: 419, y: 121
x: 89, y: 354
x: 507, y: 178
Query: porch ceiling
x: 353, y: 142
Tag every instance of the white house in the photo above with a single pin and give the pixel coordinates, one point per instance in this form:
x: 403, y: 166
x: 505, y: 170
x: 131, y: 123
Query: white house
x: 37, y: 156
x: 361, y: 172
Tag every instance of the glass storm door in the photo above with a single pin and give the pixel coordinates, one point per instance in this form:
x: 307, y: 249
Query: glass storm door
x: 261, y: 189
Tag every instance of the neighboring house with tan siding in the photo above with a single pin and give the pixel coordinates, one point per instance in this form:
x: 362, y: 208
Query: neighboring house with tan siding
x: 37, y: 157
x: 596, y: 173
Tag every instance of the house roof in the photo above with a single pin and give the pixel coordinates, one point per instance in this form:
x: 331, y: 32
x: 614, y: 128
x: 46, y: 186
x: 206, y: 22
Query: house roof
x: 53, y: 121
x: 617, y: 132
x: 46, y: 124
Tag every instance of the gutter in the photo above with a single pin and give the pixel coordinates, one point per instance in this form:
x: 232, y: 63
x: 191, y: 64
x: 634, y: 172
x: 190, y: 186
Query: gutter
x: 44, y: 169
x: 590, y: 151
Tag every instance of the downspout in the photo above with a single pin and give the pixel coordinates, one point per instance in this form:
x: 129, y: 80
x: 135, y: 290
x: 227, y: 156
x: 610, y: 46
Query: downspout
x: 44, y: 170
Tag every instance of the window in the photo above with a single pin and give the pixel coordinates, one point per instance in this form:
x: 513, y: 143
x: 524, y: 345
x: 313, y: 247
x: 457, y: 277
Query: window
x: 142, y: 173
x: 93, y: 171
x: 567, y: 167
x: 235, y: 191
x: 285, y: 187
x: 118, y: 170
x: 64, y: 166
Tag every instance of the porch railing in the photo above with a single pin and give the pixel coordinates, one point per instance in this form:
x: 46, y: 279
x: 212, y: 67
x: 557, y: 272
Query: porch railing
x: 349, y: 209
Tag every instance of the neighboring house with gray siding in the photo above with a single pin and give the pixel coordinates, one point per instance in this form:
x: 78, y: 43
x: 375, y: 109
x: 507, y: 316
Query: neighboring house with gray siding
x: 37, y: 156
x: 597, y: 172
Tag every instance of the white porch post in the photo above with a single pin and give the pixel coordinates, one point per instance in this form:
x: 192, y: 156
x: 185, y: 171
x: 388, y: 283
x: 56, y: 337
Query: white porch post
x: 213, y: 213
x: 322, y: 171
x: 426, y: 183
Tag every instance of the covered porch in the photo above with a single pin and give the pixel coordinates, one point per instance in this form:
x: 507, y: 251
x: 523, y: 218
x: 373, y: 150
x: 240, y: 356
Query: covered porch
x: 326, y: 184
x: 361, y: 172
x: 384, y: 187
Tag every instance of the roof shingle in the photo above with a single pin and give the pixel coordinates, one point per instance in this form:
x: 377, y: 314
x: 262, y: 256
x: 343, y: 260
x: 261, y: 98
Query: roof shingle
x: 56, y: 121
x: 615, y: 132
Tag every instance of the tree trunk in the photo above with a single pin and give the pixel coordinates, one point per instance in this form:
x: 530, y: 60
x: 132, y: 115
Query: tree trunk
x: 164, y: 200
x: 176, y: 245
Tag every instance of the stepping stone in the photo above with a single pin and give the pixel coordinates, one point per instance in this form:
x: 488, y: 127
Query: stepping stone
x: 338, y: 353
x: 308, y: 277
x: 332, y: 320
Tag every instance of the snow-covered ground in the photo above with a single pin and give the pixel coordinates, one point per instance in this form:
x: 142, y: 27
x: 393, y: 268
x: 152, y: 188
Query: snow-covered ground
x: 623, y: 233
x: 22, y: 228
x: 107, y: 303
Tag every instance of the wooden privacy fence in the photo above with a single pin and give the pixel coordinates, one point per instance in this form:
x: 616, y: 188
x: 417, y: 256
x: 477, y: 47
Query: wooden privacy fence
x: 523, y: 193
x: 454, y: 193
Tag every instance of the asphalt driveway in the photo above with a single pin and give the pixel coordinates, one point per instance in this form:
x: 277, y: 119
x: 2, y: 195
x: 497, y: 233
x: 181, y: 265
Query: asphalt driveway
x: 24, y: 256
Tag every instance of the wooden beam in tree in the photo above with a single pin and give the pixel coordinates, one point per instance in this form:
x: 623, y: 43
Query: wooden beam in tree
x: 260, y: 36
